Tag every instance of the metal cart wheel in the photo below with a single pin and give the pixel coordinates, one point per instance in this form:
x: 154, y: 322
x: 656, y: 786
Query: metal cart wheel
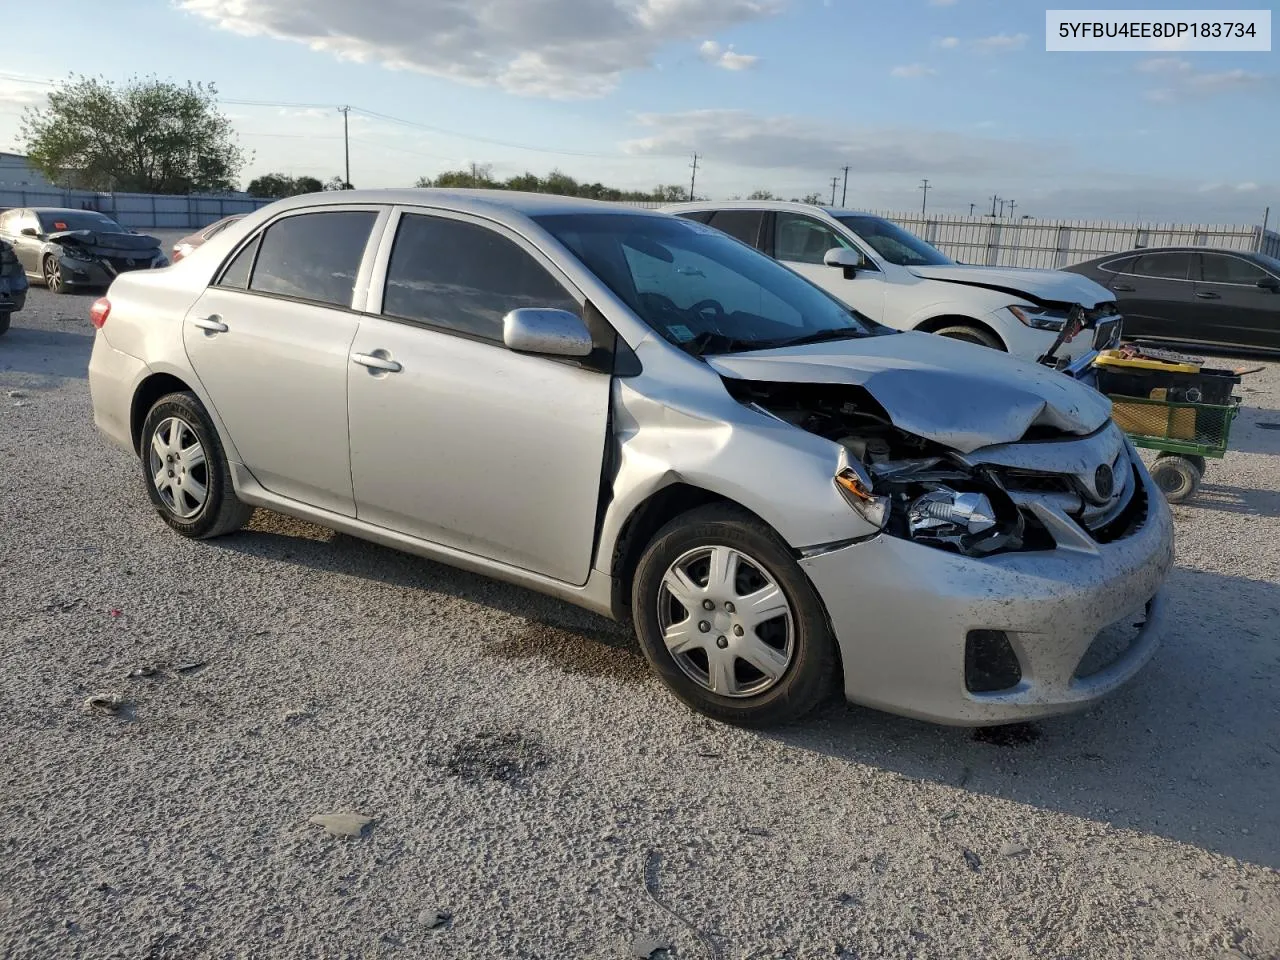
x: 1199, y: 461
x: 1177, y: 476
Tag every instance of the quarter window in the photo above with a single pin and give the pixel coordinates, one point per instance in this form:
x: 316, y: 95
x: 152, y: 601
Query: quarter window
x: 464, y: 277
x: 802, y: 240
x: 236, y: 275
x: 1219, y: 268
x: 313, y: 256
x: 1163, y: 266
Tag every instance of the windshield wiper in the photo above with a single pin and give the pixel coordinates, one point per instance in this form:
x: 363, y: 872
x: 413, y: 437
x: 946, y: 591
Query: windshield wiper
x: 822, y: 336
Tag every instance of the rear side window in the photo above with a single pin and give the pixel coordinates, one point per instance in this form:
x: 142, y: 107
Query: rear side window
x: 1163, y: 266
x: 1123, y: 265
x: 313, y: 256
x: 741, y: 224
x: 464, y: 277
x: 1219, y: 268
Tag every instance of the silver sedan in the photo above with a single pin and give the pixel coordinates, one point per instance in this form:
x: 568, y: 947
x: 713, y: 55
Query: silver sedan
x: 645, y: 417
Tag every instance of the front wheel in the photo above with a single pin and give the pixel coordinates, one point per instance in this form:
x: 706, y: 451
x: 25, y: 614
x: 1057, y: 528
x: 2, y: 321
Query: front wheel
x: 729, y: 621
x: 971, y: 334
x: 53, y: 275
x: 1192, y: 458
x: 186, y: 471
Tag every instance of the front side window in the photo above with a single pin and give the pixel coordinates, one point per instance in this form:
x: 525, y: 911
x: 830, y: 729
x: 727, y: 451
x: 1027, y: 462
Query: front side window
x: 798, y: 239
x: 1163, y: 266
x: 464, y: 277
x: 895, y: 245
x: 313, y: 256
x: 1219, y: 268
x: 700, y: 289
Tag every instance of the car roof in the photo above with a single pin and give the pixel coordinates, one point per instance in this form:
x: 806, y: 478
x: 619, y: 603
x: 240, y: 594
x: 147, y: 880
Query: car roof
x: 791, y: 206
x: 1139, y: 251
x: 482, y: 202
x: 65, y: 210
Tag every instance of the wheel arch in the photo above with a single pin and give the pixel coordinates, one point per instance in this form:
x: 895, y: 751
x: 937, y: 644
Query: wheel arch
x: 145, y: 396
x: 934, y: 324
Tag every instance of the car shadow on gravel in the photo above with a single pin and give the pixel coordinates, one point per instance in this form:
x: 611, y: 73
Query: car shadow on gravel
x: 1229, y: 499
x: 1256, y: 430
x: 555, y: 634
x: 1190, y: 750
x: 50, y: 353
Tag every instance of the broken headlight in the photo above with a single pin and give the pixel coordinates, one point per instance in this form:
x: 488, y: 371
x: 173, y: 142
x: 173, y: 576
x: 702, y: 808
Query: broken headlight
x: 1051, y: 320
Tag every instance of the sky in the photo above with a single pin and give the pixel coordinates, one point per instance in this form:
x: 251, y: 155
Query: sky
x: 771, y: 94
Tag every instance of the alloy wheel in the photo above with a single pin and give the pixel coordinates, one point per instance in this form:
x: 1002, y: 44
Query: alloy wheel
x: 52, y: 275
x: 726, y: 622
x: 179, y: 468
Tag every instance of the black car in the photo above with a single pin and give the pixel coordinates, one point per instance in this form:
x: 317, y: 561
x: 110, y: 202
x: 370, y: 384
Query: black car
x: 13, y: 285
x: 76, y: 248
x: 1194, y: 295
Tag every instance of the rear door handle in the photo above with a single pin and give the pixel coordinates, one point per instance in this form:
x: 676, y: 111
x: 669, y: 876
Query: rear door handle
x: 212, y: 324
x: 375, y: 362
x: 1122, y: 288
x: 1208, y: 295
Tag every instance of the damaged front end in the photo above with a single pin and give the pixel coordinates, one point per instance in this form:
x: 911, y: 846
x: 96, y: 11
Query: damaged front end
x: 96, y: 258
x: 1048, y: 489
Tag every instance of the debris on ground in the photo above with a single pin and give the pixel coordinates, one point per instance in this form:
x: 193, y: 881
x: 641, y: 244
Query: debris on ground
x: 116, y: 611
x: 296, y: 715
x: 148, y: 670
x: 342, y: 824
x: 111, y: 703
x: 647, y: 949
x: 191, y: 667
x: 435, y: 919
x: 973, y: 860
x: 1013, y: 849
x: 17, y: 394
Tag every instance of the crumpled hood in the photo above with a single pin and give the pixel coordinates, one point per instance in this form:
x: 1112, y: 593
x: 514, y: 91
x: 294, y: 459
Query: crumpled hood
x: 958, y: 394
x: 110, y: 243
x: 1045, y: 285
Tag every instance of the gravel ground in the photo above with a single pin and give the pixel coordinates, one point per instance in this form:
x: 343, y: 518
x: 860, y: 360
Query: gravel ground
x: 533, y: 791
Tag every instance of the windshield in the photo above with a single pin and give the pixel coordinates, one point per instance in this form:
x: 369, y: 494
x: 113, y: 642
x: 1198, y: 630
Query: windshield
x: 78, y: 220
x: 895, y: 244
x: 699, y: 288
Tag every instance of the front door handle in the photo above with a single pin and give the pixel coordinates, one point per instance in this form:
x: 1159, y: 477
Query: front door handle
x: 212, y: 324
x: 375, y: 362
x: 1208, y: 295
x: 1122, y: 288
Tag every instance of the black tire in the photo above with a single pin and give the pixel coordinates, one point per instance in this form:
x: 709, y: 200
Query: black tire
x: 1199, y: 461
x: 971, y: 334
x: 4, y: 323
x: 810, y: 676
x: 52, y: 273
x: 221, y: 512
x: 1177, y: 477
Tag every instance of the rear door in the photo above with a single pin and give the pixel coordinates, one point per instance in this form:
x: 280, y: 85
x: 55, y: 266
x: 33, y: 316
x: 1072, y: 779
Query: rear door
x: 464, y: 442
x: 1157, y: 295
x: 1233, y: 307
x: 270, y: 341
x: 744, y: 225
x: 27, y: 247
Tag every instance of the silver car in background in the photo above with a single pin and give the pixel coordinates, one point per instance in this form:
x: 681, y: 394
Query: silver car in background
x: 645, y: 417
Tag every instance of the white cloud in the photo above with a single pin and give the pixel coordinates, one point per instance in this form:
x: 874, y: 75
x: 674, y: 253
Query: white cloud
x: 1247, y: 187
x: 1183, y: 81
x: 20, y: 90
x: 726, y: 58
x: 942, y: 3
x: 1001, y: 42
x: 947, y: 43
x: 912, y: 70
x: 1163, y: 65
x: 552, y: 48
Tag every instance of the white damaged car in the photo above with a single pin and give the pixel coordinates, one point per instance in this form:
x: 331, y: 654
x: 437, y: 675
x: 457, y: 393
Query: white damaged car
x: 897, y: 279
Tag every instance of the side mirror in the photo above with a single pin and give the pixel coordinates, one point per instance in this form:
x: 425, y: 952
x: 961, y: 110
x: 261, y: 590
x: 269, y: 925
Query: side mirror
x: 30, y: 232
x: 1270, y: 283
x: 552, y: 333
x: 851, y: 261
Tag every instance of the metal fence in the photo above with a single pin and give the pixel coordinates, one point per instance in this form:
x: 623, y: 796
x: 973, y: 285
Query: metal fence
x: 137, y: 210
x: 1059, y: 243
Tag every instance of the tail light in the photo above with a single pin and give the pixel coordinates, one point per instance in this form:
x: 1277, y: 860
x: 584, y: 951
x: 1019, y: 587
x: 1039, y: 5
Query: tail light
x: 180, y: 250
x: 99, y: 312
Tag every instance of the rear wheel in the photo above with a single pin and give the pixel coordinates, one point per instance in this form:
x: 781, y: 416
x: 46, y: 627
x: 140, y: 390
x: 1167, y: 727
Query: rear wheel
x: 186, y: 471
x: 971, y: 334
x: 1177, y: 477
x: 4, y: 322
x: 729, y: 621
x: 53, y: 275
x: 1199, y: 461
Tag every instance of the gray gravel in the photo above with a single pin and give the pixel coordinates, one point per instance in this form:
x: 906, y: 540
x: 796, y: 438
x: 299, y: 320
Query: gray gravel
x: 532, y: 791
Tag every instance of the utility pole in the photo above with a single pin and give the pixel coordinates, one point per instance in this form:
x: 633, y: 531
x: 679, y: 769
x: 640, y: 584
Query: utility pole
x: 1002, y: 203
x: 844, y: 194
x: 1011, y: 206
x: 924, y: 185
x: 346, y: 149
x: 694, y: 177
x: 834, y: 181
x: 971, y: 206
x: 1262, y: 234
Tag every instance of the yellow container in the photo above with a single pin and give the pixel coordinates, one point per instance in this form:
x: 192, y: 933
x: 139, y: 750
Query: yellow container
x: 1154, y: 420
x: 1113, y: 358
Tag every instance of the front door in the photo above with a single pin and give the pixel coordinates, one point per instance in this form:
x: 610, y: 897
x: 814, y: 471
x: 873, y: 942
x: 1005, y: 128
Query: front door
x: 1233, y: 307
x: 456, y: 439
x: 1157, y: 295
x: 270, y: 341
x: 801, y: 243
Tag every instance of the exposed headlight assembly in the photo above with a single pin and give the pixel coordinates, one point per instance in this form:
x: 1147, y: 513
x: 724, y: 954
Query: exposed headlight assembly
x: 1051, y: 320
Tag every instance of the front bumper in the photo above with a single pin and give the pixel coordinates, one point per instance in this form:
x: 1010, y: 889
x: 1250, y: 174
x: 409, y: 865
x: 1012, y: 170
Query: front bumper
x: 94, y: 273
x: 901, y: 613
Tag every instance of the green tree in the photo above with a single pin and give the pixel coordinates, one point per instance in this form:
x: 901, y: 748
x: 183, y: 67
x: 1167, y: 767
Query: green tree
x: 146, y: 135
x: 282, y: 185
x: 337, y: 183
x: 761, y: 195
